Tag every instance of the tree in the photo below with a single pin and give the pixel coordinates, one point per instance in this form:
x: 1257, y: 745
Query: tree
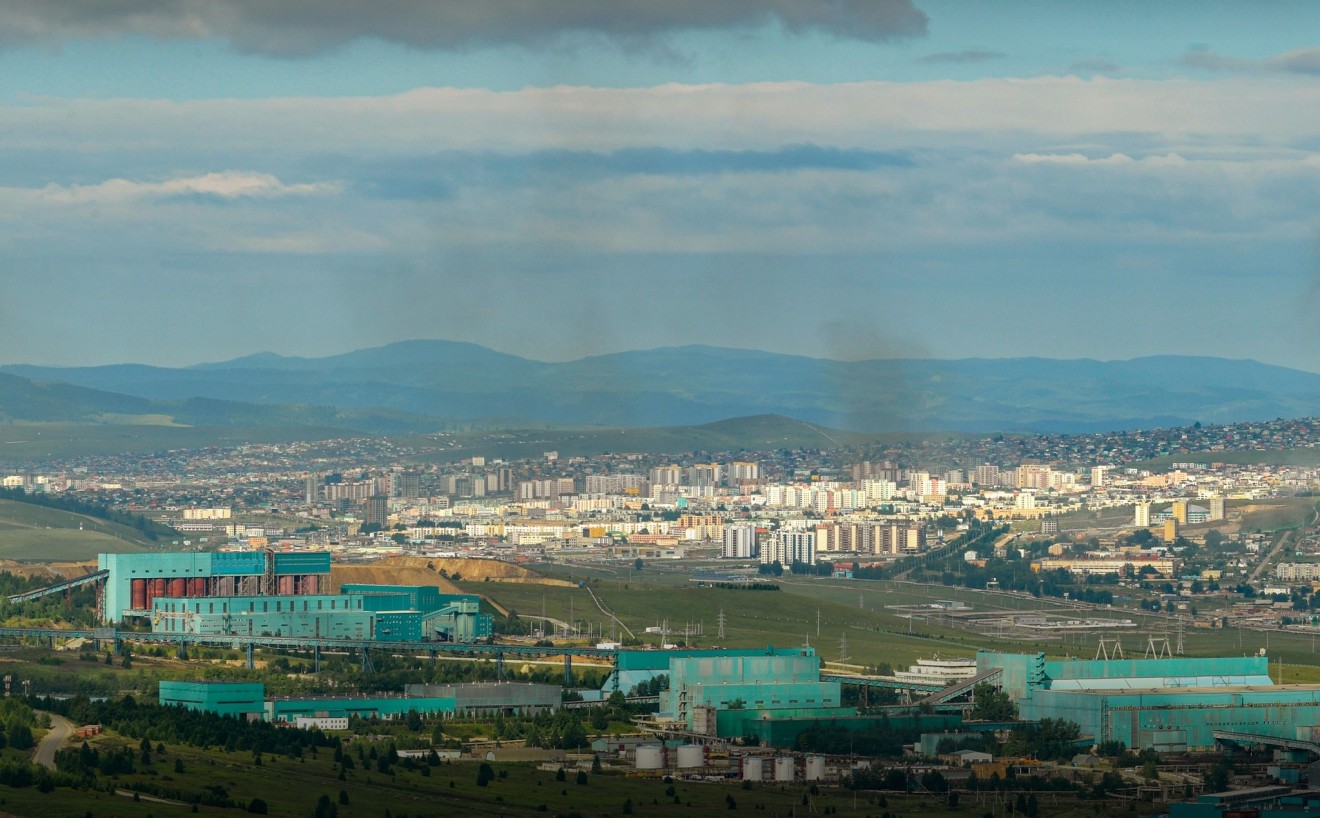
x: 257, y: 807
x: 485, y: 774
x: 581, y: 777
x: 325, y: 808
x: 638, y: 564
x: 992, y: 704
x: 343, y: 797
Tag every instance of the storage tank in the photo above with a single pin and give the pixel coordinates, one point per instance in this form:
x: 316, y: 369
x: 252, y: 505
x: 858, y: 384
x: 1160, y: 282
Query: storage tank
x: 197, y: 587
x: 650, y: 757
x: 159, y: 587
x: 784, y: 768
x: 139, y: 595
x: 691, y: 755
x: 178, y: 587
x: 815, y: 768
x: 753, y: 769
x: 286, y: 586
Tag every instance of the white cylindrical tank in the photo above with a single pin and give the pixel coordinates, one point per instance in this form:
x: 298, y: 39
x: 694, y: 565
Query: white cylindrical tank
x: 785, y: 768
x: 650, y: 757
x: 815, y: 768
x: 691, y: 755
x: 753, y: 768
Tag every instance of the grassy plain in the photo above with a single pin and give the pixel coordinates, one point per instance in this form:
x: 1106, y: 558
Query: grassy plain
x: 29, y: 532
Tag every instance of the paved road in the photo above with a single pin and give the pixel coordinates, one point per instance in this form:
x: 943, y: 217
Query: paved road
x: 60, y: 730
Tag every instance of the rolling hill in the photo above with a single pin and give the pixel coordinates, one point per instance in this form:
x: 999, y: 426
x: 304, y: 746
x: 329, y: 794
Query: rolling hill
x: 409, y: 385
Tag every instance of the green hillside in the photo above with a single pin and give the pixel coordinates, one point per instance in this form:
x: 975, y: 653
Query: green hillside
x: 29, y: 532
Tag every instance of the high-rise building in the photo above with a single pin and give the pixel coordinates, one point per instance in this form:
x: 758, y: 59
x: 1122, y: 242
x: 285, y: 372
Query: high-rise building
x: 790, y: 546
x: 739, y: 542
x: 665, y: 475
x: 986, y: 475
x: 1032, y: 476
x: 312, y: 488
x: 1099, y: 476
x: 405, y: 484
x: 1141, y: 515
x: 377, y: 510
x: 1216, y: 508
x: 1179, y: 511
x: 741, y: 471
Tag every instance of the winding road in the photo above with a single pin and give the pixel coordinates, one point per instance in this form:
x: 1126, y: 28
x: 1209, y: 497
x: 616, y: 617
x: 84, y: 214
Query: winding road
x: 60, y: 730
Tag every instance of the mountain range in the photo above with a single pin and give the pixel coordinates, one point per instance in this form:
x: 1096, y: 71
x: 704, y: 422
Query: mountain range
x: 416, y: 385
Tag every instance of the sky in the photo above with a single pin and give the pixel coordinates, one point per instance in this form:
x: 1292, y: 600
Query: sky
x: 184, y: 182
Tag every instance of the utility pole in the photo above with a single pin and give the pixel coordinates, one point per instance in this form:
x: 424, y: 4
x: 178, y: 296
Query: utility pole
x: 818, y: 621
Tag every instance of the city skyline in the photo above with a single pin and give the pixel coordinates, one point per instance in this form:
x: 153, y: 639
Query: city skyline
x: 840, y: 180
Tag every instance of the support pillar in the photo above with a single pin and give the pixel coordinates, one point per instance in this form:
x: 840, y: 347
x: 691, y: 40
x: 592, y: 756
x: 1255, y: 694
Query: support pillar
x: 250, y: 663
x: 568, y: 670
x: 366, y: 662
x: 316, y: 658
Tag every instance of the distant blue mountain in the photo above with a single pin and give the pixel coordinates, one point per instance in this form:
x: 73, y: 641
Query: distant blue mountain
x: 700, y: 384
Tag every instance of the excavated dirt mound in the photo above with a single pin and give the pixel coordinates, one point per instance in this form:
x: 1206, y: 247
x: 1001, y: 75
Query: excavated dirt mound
x: 47, y: 570
x: 435, y: 571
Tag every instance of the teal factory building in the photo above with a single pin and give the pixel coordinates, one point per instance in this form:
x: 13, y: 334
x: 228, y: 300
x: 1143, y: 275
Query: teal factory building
x: 248, y: 700
x: 286, y: 594
x: 1169, y: 705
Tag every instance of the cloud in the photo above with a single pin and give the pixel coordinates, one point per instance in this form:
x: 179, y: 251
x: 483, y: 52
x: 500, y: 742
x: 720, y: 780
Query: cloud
x: 225, y: 186
x: 1096, y: 66
x: 436, y: 175
x: 301, y: 27
x: 974, y: 55
x: 990, y: 113
x: 1082, y: 160
x: 1305, y: 61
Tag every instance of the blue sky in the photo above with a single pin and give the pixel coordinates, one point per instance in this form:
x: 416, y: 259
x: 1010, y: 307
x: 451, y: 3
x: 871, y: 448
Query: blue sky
x: 857, y: 178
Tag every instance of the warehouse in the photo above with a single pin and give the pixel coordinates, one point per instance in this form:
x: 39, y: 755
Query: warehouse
x: 248, y: 700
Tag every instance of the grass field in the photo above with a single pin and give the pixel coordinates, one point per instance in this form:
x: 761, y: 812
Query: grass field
x: 291, y: 787
x: 874, y: 634
x: 27, y: 442
x: 1276, y: 515
x: 29, y: 532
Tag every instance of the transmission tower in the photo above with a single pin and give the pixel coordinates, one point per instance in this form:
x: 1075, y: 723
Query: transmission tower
x: 720, y: 620
x: 1157, y: 647
x: 1109, y: 648
x: 843, y: 648
x: 1179, y: 648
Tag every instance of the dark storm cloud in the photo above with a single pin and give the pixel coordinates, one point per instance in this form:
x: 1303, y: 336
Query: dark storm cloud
x: 973, y: 55
x: 437, y: 175
x: 299, y: 27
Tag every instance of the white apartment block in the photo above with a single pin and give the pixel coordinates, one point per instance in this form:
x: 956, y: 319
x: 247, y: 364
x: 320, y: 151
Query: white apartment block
x: 740, y: 542
x: 788, y: 547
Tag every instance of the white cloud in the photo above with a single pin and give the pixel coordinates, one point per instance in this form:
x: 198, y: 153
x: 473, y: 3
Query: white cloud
x: 227, y: 185
x: 1117, y: 159
x: 1022, y: 115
